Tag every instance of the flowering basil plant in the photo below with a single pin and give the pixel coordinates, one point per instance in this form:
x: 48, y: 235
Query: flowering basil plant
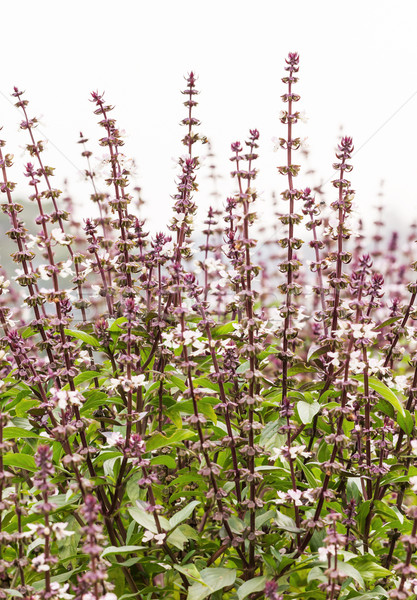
x: 235, y: 420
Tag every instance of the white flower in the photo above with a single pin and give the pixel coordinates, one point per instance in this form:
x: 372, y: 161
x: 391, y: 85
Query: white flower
x: 168, y: 339
x: 60, y: 530
x: 275, y: 140
x: 413, y: 481
x: 43, y: 272
x: 308, y: 495
x: 326, y: 551
x: 60, y: 590
x: 38, y: 563
x: 67, y: 398
x: 302, y: 116
x: 158, y: 537
x: 114, y: 438
x: 189, y: 337
x: 84, y: 358
x: 138, y: 380
x: 4, y: 283
x: 109, y: 596
x: 401, y: 383
x: 96, y: 289
x: 33, y: 528
x: 294, y: 452
x: 356, y: 365
x: 296, y: 496
x: 199, y: 348
x: 335, y: 359
x: 61, y: 237
x: 377, y: 366
x: 414, y: 447
x: 113, y: 383
x: 65, y: 270
x: 31, y: 241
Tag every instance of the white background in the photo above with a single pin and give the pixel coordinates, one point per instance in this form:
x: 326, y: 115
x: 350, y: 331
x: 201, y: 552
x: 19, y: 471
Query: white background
x: 358, y: 66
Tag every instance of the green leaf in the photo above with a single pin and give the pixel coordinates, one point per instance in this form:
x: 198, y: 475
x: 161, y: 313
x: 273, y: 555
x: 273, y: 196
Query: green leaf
x: 146, y: 520
x: 286, y: 523
x: 363, y: 513
x: 202, y: 382
x: 177, y: 538
x: 189, y: 571
x: 406, y: 422
x: 350, y: 571
x: 380, y: 388
x: 86, y: 376
x: 83, y: 336
x: 387, y: 322
x: 214, y: 580
x: 22, y: 461
x: 27, y: 332
x: 300, y: 368
x: 179, y: 383
x: 243, y: 367
x: 315, y: 352
x: 307, y: 411
x: 385, y: 407
x: 164, y: 459
x: 377, y: 592
x: 311, y: 480
x: 370, y: 569
x: 115, y: 326
x: 223, y: 329
x: 25, y: 405
x: 264, y: 518
x: 120, y: 550
x: 12, y: 433
x: 159, y: 441
x: 62, y: 578
x: 183, y: 514
x: 257, y: 584
x: 204, y: 407
x: 316, y: 574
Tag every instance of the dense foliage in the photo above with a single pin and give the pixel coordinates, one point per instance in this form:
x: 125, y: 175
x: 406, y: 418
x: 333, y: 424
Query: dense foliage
x: 191, y: 424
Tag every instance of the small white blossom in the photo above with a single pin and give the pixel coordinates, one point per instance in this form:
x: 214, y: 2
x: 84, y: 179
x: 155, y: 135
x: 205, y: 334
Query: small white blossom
x: 138, y: 380
x: 67, y: 398
x: 61, y: 237
x: 401, y: 383
x: 158, y: 537
x: 60, y: 530
x: 114, y: 438
x: 334, y: 359
x: 60, y: 591
x: 38, y: 563
x: 65, y: 270
x: 326, y: 551
x: 4, y: 284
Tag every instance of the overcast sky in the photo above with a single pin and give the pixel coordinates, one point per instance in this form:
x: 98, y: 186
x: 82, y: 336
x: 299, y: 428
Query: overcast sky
x: 357, y: 70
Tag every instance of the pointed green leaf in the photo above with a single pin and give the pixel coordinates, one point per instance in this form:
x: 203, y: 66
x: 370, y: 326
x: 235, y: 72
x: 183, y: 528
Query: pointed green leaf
x: 257, y: 584
x: 380, y: 388
x: 307, y: 411
x: 22, y: 461
x: 183, y: 514
x: 83, y: 336
x: 214, y: 580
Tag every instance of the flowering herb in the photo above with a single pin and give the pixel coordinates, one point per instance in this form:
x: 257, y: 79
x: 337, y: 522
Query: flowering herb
x: 167, y: 430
